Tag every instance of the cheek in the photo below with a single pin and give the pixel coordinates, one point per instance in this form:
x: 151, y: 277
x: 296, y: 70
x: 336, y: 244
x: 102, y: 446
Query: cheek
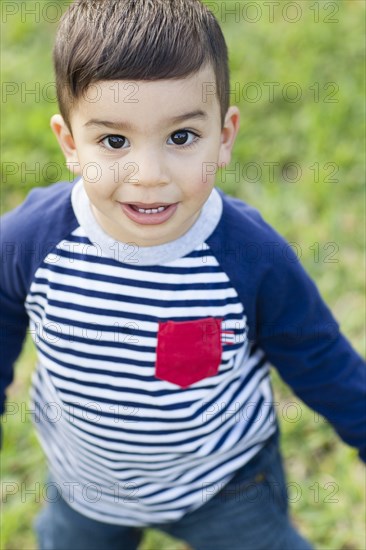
x: 198, y: 185
x: 96, y: 187
x: 208, y: 165
x: 95, y: 192
x: 99, y: 179
x: 196, y: 170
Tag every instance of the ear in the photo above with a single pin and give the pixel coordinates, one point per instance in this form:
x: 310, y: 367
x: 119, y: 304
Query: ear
x: 228, y: 135
x: 66, y: 142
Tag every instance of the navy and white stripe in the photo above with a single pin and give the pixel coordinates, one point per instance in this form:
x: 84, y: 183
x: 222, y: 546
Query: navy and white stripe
x: 124, y: 446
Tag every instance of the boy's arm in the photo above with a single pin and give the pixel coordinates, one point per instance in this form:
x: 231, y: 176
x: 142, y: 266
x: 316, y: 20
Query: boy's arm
x: 13, y: 326
x: 28, y: 233
x: 13, y: 316
x: 302, y: 339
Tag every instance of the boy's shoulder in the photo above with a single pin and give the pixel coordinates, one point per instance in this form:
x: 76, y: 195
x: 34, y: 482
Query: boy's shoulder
x: 244, y: 226
x: 44, y: 213
x: 31, y: 230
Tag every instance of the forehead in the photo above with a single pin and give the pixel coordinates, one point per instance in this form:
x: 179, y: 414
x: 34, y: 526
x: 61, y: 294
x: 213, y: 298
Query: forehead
x: 149, y: 103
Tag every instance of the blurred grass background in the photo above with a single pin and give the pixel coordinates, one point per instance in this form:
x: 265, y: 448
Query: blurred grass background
x: 316, y: 202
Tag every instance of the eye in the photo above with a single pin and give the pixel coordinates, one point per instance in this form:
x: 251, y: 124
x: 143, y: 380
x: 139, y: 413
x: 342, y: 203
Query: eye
x: 181, y: 137
x: 113, y: 142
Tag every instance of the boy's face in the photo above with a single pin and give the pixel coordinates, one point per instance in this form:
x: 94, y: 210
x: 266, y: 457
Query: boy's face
x: 129, y: 148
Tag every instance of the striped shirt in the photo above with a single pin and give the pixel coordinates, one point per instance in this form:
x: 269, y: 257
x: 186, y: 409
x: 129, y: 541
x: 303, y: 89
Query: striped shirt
x: 151, y: 387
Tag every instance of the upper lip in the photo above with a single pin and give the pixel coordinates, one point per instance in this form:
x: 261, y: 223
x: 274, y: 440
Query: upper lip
x: 152, y: 205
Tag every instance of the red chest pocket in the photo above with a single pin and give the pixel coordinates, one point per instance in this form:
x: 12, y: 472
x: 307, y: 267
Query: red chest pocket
x: 188, y: 351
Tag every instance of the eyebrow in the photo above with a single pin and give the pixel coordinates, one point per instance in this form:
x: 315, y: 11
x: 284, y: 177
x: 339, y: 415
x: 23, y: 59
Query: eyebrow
x: 120, y: 124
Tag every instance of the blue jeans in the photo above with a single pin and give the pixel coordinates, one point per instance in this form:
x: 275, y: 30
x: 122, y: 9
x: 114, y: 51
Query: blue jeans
x: 249, y: 513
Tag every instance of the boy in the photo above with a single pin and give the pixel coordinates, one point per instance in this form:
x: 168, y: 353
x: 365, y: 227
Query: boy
x: 157, y: 303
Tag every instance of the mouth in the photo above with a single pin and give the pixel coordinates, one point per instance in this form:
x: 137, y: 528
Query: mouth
x: 148, y: 214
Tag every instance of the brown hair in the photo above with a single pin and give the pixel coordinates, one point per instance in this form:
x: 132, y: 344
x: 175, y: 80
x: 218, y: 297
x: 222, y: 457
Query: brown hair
x: 138, y: 40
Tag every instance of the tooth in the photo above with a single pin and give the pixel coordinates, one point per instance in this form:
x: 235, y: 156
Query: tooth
x: 152, y: 210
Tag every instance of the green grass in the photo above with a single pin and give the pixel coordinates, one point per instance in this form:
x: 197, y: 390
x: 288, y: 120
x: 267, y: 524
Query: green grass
x: 312, y: 212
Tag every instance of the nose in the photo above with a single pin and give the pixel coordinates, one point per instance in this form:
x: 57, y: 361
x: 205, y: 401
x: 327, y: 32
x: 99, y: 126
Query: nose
x: 148, y: 169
